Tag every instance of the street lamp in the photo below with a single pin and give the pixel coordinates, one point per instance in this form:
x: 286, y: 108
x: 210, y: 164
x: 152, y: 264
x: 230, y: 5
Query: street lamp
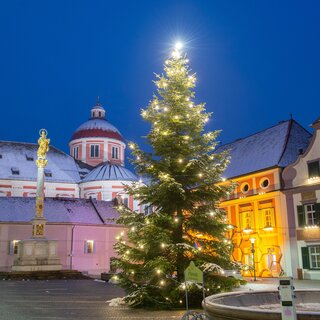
x: 252, y: 240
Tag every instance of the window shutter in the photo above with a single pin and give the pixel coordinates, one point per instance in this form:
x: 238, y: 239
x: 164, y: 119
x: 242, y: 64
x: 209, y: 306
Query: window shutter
x: 305, y: 258
x: 317, y: 213
x: 301, y: 216
x: 273, y: 220
x: 85, y: 247
x: 10, y: 248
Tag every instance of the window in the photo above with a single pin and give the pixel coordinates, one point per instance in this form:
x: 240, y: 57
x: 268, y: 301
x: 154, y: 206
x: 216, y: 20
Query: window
x: 13, y: 247
x: 267, y: 219
x: 313, y: 169
x: 245, y: 187
x: 314, y: 254
x: 91, y: 195
x: 115, y: 153
x: 48, y: 173
x: 264, y: 183
x: 76, y: 152
x: 125, y: 201
x: 308, y: 214
x: 15, y: 171
x: 246, y: 220
x: 94, y: 151
x: 0, y: 156
x: 89, y: 246
x: 147, y: 209
x: 29, y: 157
x: 311, y: 257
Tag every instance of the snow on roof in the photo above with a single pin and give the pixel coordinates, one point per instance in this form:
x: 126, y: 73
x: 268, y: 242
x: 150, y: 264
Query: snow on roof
x: 108, y: 171
x: 97, y: 127
x: 58, y: 210
x: 106, y: 210
x: 22, y: 156
x: 279, y: 145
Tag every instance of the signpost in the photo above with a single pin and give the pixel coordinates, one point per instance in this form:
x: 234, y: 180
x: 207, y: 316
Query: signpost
x: 194, y: 274
x: 287, y: 299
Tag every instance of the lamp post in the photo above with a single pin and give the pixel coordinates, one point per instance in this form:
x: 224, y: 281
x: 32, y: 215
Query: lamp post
x: 252, y: 240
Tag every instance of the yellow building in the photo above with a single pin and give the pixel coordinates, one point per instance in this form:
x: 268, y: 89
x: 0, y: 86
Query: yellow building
x: 257, y: 209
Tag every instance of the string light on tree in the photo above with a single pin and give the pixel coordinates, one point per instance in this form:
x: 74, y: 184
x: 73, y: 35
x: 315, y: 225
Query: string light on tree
x: 184, y: 204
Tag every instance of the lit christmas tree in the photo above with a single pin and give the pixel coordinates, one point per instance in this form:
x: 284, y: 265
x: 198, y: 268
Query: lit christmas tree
x: 183, y: 192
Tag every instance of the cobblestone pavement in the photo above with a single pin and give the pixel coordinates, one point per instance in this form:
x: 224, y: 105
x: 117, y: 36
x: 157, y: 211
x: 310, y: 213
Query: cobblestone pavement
x: 86, y: 300
x: 68, y: 299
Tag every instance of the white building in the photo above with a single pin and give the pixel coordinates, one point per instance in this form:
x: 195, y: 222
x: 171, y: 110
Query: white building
x: 302, y: 190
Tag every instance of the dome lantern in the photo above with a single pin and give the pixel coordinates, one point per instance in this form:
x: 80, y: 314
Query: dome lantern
x: 98, y: 112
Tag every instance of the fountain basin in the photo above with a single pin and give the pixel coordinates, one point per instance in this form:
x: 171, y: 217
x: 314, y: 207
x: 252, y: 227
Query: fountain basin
x: 260, y: 305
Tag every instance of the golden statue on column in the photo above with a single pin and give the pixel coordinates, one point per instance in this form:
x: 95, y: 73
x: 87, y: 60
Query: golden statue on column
x: 38, y: 253
x: 43, y: 148
x: 38, y: 229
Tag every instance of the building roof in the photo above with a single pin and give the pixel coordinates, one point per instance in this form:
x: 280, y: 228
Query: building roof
x: 97, y: 127
x: 58, y: 210
x: 277, y: 146
x: 17, y: 162
x: 108, y: 171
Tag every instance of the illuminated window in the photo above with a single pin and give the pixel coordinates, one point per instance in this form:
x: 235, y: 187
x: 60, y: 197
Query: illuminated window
x: 115, y: 153
x: 314, y: 254
x: 267, y: 216
x: 246, y: 220
x: 89, y: 246
x: 13, y: 247
x: 313, y: 169
x: 94, y: 151
x: 76, y: 152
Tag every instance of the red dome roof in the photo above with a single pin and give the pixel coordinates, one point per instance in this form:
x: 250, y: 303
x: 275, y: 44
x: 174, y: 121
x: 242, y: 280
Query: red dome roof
x: 99, y: 128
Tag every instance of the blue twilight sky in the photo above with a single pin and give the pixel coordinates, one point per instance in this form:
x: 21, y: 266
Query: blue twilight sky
x: 256, y: 62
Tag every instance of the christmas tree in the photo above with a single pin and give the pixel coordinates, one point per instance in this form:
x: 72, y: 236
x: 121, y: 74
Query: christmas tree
x: 183, y: 222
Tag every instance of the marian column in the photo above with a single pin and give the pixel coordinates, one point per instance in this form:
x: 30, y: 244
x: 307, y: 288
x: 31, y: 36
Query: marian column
x: 39, y: 221
x: 38, y: 253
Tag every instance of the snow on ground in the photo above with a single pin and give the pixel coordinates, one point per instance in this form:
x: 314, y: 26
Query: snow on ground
x: 300, y: 307
x: 116, y: 302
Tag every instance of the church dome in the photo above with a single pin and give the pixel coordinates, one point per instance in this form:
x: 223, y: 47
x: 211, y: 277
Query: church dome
x: 97, y: 126
x: 108, y: 171
x: 97, y: 141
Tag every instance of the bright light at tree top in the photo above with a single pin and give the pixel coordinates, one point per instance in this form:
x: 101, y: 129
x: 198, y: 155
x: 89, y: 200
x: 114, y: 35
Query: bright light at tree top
x: 178, y: 45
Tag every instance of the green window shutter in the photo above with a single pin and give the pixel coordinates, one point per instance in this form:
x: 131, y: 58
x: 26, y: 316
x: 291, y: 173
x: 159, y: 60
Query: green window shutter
x: 317, y: 213
x: 301, y: 216
x: 305, y: 258
x: 313, y: 169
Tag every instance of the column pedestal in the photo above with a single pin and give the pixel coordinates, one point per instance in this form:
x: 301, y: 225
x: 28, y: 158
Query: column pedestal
x: 37, y: 255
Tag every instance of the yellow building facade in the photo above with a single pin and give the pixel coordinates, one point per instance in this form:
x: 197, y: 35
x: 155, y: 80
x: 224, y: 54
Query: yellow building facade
x: 257, y: 216
x: 256, y: 209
